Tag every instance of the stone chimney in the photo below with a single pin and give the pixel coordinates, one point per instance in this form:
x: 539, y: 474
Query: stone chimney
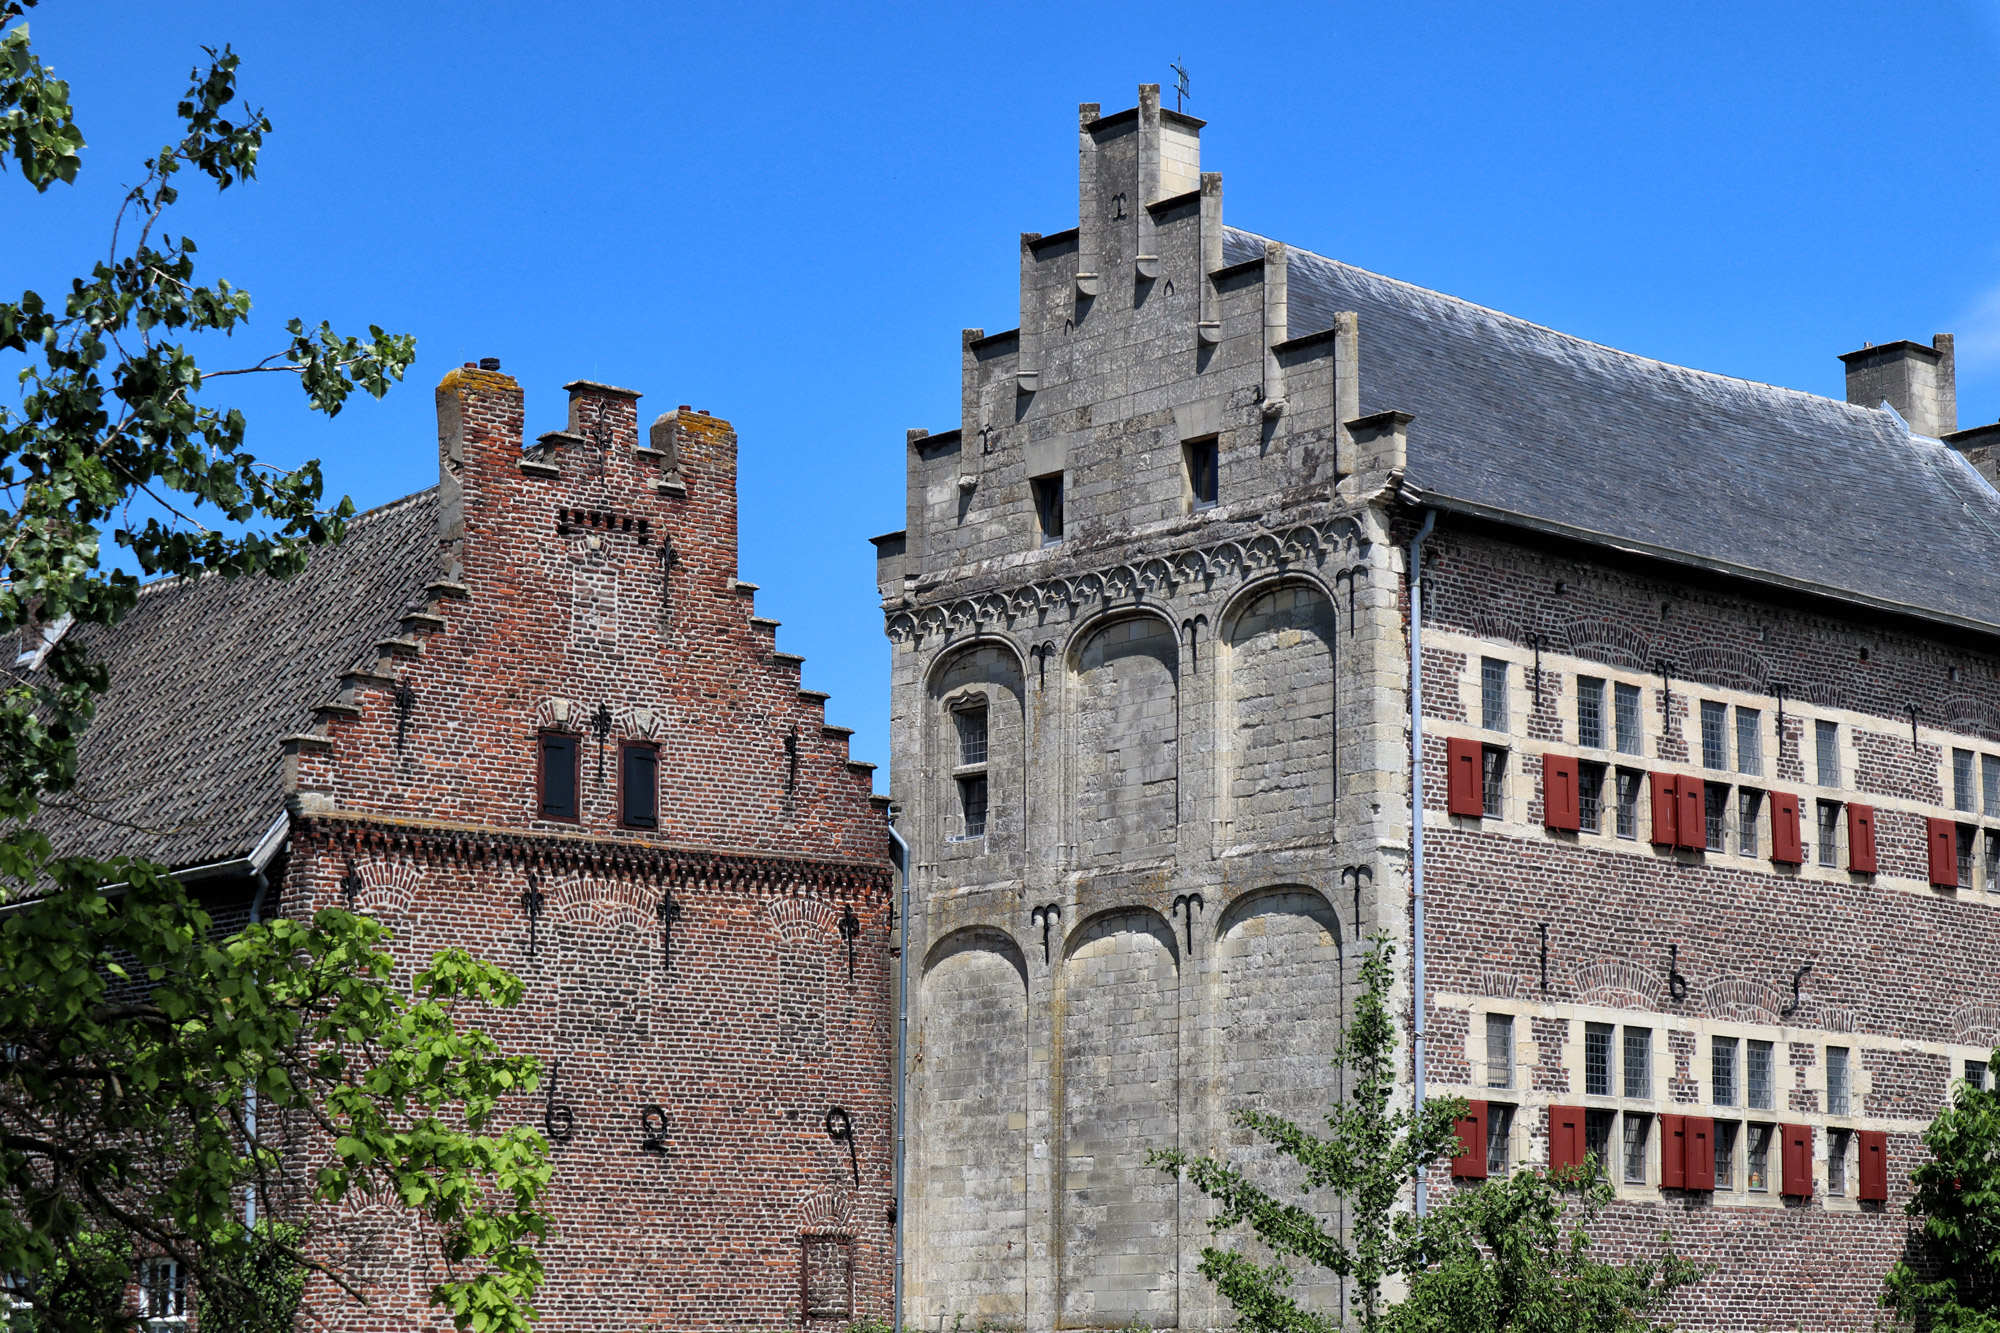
x: 1918, y: 381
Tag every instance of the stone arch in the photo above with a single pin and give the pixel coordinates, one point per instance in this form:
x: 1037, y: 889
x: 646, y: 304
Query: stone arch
x: 1125, y: 737
x: 1278, y: 988
x: 1279, y: 709
x: 969, y: 1174
x: 1118, y: 1035
x: 984, y: 673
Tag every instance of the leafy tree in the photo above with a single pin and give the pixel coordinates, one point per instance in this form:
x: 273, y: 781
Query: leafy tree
x: 1513, y: 1256
x: 83, y: 1288
x: 1369, y: 1155
x: 1949, y: 1277
x: 133, y: 1041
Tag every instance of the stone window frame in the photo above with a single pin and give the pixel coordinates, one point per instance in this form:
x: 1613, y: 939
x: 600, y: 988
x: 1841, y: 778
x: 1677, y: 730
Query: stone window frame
x: 1047, y: 492
x: 1201, y: 458
x: 969, y: 699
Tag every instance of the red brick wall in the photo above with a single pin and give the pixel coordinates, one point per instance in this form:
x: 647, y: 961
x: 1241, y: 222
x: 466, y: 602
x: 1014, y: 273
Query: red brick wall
x: 550, y: 603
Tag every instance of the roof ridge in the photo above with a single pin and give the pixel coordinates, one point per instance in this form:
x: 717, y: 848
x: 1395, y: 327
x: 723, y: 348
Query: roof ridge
x: 1559, y: 333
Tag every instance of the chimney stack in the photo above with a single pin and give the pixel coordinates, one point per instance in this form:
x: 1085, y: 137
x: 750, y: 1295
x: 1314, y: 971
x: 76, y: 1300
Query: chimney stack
x: 1918, y: 381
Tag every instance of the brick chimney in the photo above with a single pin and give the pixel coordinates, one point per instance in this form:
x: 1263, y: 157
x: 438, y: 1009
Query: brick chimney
x: 1918, y: 381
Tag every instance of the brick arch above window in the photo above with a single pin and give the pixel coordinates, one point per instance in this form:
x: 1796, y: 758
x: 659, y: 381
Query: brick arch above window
x: 825, y: 1212
x: 389, y: 886
x: 1611, y: 643
x: 1976, y: 1025
x: 555, y: 714
x: 1727, y: 668
x: 640, y: 721
x: 1619, y: 983
x: 797, y: 920
x: 1743, y: 1000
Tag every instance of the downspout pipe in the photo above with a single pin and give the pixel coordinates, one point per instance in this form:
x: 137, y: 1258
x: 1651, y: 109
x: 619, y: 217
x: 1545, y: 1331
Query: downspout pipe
x: 250, y: 1089
x: 1417, y: 815
x: 901, y: 853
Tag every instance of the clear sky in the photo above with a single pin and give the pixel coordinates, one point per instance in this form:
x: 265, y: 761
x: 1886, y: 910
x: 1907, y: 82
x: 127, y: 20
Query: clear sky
x: 786, y: 213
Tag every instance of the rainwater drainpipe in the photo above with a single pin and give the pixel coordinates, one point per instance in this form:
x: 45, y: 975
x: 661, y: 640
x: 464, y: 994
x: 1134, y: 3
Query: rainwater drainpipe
x: 1417, y: 808
x: 902, y: 855
x: 250, y: 1089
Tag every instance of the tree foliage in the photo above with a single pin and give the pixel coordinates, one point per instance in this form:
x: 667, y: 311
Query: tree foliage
x: 137, y: 1048
x: 1514, y: 1256
x: 1949, y: 1279
x: 1369, y: 1155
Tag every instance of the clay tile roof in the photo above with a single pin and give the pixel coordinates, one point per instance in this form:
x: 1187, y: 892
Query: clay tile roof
x: 1776, y: 484
x: 182, y: 764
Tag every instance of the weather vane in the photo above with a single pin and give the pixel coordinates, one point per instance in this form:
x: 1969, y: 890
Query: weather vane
x: 1179, y: 67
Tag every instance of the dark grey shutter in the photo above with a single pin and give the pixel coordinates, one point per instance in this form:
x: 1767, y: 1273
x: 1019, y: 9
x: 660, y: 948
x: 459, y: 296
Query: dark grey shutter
x: 641, y: 803
x: 558, y: 777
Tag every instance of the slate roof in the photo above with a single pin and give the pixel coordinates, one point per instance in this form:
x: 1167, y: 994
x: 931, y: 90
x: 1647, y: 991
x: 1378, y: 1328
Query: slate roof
x: 182, y: 764
x: 1543, y: 428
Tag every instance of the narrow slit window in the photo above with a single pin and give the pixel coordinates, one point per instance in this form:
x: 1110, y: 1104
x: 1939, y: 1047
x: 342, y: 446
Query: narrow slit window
x: 1749, y: 804
x: 1492, y: 788
x: 1826, y: 737
x: 1639, y: 1063
x: 972, y: 804
x: 1590, y: 712
x: 1829, y: 833
x: 1989, y: 783
x: 1597, y: 1126
x: 1048, y: 493
x: 1590, y: 797
x: 1750, y: 742
x: 1961, y: 780
x: 1203, y: 466
x: 1725, y: 1154
x: 1966, y: 836
x: 1631, y: 736
x: 1628, y: 803
x: 1715, y: 815
x: 1992, y: 878
x: 1499, y: 1050
x: 1636, y: 1126
x: 1757, y: 1065
x: 1836, y: 1081
x: 558, y: 775
x: 1722, y: 1070
x: 1759, y: 1158
x: 639, y: 786
x: 1836, y: 1161
x: 1492, y: 694
x: 1499, y: 1133
x: 1714, y: 735
x: 1597, y: 1059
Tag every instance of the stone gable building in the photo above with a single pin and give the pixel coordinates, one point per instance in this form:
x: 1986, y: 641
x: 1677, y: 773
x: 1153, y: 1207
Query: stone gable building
x: 532, y: 712
x: 1699, y: 675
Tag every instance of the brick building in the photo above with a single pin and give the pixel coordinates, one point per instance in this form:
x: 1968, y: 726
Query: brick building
x: 532, y: 712
x: 1709, y: 740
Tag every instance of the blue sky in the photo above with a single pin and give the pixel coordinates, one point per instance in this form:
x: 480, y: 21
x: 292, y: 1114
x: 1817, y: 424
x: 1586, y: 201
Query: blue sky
x: 785, y: 214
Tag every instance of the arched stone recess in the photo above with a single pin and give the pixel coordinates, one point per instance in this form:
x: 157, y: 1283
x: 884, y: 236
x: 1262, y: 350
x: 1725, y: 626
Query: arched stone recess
x: 969, y: 1169
x: 386, y: 886
x: 1125, y: 739
x: 801, y: 920
x: 586, y: 901
x: 1279, y: 994
x: 976, y: 748
x: 1118, y: 1032
x: 1279, y: 701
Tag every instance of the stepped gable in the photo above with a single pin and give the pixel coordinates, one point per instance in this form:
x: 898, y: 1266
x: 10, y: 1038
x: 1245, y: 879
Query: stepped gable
x: 182, y: 765
x: 1530, y: 424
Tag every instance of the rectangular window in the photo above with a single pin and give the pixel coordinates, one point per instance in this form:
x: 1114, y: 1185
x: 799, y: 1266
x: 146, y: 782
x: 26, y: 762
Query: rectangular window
x: 1625, y: 699
x: 1827, y: 737
x: 1836, y: 1161
x: 1639, y: 1063
x: 1597, y: 1059
x: 1965, y: 840
x: 638, y: 786
x: 1590, y: 712
x: 1493, y: 767
x: 1715, y: 816
x: 1635, y: 1147
x: 1722, y: 1070
x: 558, y: 775
x: 971, y: 736
x: 1725, y: 1154
x: 1836, y: 1081
x: 1499, y: 1050
x: 1975, y: 1073
x: 1989, y: 783
x: 1829, y: 833
x: 1961, y: 780
x: 1748, y: 806
x: 1714, y: 734
x: 1492, y: 694
x: 163, y: 1291
x: 1992, y: 861
x: 1499, y: 1133
x: 972, y: 804
x: 1758, y: 1067
x: 1759, y: 1158
x: 1628, y: 803
x: 1203, y: 467
x: 1749, y: 742
x: 1590, y: 797
x: 1048, y: 493
x: 1597, y: 1138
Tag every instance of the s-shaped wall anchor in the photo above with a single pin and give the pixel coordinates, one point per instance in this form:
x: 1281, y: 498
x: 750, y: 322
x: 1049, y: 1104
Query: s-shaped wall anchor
x: 1186, y: 904
x: 1043, y: 915
x: 1797, y: 977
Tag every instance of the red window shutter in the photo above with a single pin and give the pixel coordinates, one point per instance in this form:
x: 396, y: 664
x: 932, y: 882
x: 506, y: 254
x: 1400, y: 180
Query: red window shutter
x: 1942, y: 836
x: 1673, y: 1152
x: 1463, y: 793
x: 1785, y: 845
x: 1693, y: 797
x: 1874, y: 1166
x: 1861, y: 839
x: 1559, y: 792
x: 1700, y: 1153
x: 1565, y: 1136
x: 1664, y: 803
x: 1470, y: 1164
x: 1798, y: 1160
